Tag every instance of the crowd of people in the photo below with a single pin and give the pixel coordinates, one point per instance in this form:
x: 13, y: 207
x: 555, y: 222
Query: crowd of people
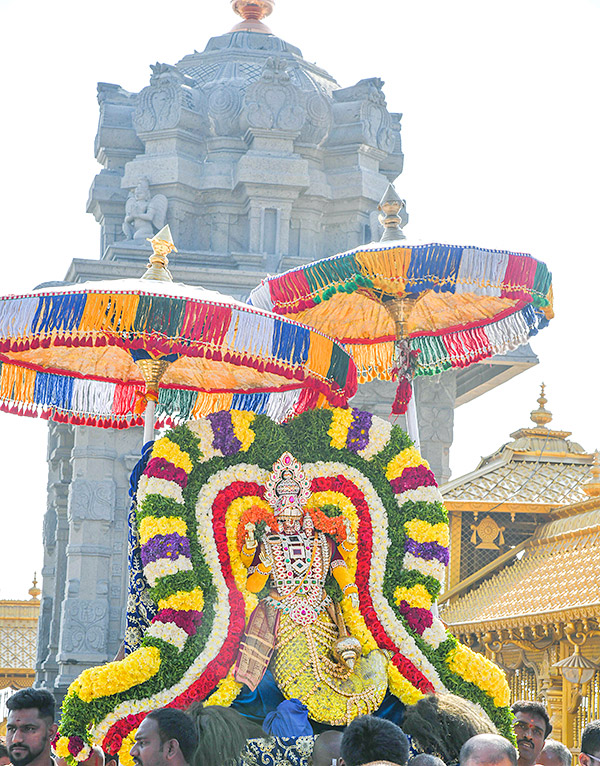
x: 440, y: 730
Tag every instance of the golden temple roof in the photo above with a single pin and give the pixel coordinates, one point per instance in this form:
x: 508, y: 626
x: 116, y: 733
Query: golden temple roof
x: 540, y: 466
x: 557, y: 572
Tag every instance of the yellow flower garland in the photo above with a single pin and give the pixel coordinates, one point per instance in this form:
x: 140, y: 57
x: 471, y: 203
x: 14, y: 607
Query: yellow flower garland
x: 424, y: 532
x: 184, y: 599
x: 241, y: 427
x: 417, y: 596
x: 401, y: 688
x: 172, y: 452
x: 341, y: 420
x: 161, y: 525
x: 225, y: 693
x: 115, y: 677
x: 125, y: 758
x: 480, y: 671
x: 408, y: 458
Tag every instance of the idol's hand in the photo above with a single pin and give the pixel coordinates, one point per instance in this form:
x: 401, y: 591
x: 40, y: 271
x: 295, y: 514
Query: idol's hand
x: 354, y: 600
x: 250, y: 539
x: 350, y: 536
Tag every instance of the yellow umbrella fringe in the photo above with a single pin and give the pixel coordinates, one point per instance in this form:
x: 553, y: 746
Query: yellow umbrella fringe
x: 17, y: 383
x: 114, y: 312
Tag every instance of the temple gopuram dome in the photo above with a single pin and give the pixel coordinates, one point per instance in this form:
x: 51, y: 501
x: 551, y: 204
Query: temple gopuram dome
x: 246, y: 149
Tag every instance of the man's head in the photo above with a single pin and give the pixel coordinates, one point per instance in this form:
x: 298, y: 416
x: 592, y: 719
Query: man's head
x: 555, y: 753
x: 590, y: 745
x: 488, y: 750
x: 327, y: 748
x: 532, y: 726
x: 368, y: 739
x: 4, y: 757
x: 424, y: 759
x: 166, y: 737
x: 30, y: 727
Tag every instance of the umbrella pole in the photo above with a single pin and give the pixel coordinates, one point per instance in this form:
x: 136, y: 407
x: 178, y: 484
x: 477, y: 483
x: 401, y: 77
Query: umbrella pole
x: 412, y: 423
x: 149, y: 420
x: 152, y: 371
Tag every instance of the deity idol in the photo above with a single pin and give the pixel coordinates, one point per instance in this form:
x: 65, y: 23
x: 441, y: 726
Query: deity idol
x: 297, y: 629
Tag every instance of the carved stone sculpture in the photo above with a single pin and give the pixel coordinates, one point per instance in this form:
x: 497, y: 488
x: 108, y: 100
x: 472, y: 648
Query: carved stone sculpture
x: 144, y: 214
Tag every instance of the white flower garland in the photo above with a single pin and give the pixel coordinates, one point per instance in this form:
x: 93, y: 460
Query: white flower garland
x: 154, y: 570
x: 379, y: 435
x: 152, y: 485
x: 420, y: 495
x: 168, y: 632
x: 433, y: 568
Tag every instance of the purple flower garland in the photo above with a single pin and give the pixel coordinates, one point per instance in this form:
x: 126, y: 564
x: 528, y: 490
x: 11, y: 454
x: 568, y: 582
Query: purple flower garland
x: 224, y: 437
x: 170, y: 546
x: 358, y: 433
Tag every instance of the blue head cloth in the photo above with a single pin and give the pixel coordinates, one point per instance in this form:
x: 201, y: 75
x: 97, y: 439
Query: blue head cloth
x: 290, y: 719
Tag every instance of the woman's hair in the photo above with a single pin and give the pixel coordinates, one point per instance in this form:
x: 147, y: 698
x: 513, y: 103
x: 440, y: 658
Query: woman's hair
x: 442, y: 723
x: 222, y: 734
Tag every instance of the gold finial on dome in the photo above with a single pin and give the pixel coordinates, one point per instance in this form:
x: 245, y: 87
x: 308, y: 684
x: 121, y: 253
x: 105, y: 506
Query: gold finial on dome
x: 592, y: 487
x: 162, y: 245
x: 252, y: 11
x: 34, y: 591
x: 541, y: 417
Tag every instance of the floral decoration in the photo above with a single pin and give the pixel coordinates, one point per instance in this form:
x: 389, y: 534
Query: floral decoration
x: 203, y: 483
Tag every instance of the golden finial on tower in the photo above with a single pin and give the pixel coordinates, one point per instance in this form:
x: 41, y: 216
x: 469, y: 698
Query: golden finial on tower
x: 34, y: 591
x: 252, y: 11
x: 541, y: 417
x: 162, y: 245
x: 392, y: 215
x: 592, y: 487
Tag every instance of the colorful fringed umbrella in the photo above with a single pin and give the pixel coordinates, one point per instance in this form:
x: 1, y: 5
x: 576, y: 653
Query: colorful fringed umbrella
x: 415, y: 309
x: 97, y: 353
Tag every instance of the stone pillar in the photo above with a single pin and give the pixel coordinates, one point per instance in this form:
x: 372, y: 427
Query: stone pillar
x: 92, y: 614
x: 435, y: 407
x: 55, y: 538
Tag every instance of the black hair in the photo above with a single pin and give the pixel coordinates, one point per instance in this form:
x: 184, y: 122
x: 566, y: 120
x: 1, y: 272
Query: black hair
x: 41, y: 699
x: 369, y: 739
x: 533, y: 708
x: 489, y: 748
x: 424, y: 759
x: 108, y: 757
x: 590, y: 738
x: 3, y: 751
x: 175, y: 724
x: 441, y: 724
x: 222, y: 734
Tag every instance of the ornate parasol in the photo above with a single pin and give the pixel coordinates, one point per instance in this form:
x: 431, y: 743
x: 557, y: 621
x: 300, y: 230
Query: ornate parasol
x: 99, y: 353
x: 415, y: 309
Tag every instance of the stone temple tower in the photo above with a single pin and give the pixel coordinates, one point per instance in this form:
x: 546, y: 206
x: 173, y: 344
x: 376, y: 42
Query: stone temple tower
x: 259, y: 161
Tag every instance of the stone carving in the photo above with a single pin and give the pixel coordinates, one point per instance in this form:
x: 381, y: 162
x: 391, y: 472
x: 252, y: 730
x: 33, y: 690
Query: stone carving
x: 371, y: 112
x: 84, y: 627
x: 94, y: 500
x: 49, y: 528
x: 159, y: 105
x: 43, y: 638
x: 273, y: 102
x: 224, y: 104
x: 319, y: 119
x: 144, y: 214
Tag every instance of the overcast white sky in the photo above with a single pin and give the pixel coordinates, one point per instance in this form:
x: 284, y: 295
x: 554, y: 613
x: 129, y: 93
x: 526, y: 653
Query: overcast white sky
x: 501, y: 130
